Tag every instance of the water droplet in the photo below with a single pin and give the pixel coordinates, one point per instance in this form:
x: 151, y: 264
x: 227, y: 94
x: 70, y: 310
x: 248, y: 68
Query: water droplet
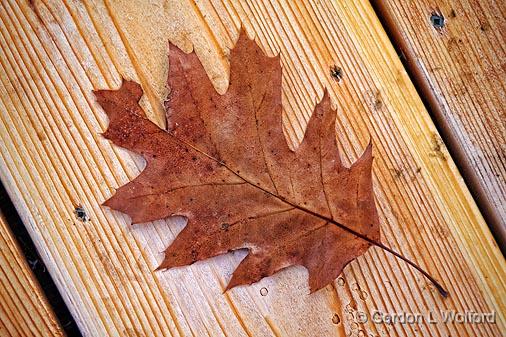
x: 264, y: 291
x: 354, y: 326
x: 336, y: 319
x: 360, y: 317
x: 363, y: 295
x: 341, y: 281
x: 351, y: 306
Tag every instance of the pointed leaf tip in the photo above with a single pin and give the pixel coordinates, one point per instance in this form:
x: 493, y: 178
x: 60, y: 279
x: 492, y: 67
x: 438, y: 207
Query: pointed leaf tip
x: 116, y: 102
x: 133, y: 89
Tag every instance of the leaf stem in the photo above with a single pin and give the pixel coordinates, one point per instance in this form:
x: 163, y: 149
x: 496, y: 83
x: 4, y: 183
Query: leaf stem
x: 438, y: 286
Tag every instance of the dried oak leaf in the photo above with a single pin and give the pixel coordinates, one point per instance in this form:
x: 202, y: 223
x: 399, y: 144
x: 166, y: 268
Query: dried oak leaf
x: 225, y: 165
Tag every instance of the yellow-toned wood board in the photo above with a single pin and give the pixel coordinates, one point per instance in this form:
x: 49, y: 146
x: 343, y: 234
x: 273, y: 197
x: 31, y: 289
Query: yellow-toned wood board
x: 24, y: 310
x: 53, y: 54
x: 460, y: 69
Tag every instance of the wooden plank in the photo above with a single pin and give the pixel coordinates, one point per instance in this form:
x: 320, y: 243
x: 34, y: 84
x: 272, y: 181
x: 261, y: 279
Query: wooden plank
x: 53, y: 159
x: 24, y: 310
x: 460, y: 70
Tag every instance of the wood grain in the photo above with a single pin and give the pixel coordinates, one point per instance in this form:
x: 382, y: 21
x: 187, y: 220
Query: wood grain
x: 24, y: 310
x: 460, y: 70
x: 52, y: 159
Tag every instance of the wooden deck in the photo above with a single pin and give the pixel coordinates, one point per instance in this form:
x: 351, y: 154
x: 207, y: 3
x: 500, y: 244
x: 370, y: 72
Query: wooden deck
x: 24, y: 310
x: 53, y: 160
x: 460, y: 71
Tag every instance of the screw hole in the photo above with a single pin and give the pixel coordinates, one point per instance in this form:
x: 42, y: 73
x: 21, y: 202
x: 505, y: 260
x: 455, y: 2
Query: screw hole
x: 80, y: 213
x: 336, y: 73
x: 437, y: 20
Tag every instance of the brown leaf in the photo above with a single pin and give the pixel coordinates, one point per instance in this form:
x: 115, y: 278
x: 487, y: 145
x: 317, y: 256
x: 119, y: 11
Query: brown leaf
x: 225, y: 165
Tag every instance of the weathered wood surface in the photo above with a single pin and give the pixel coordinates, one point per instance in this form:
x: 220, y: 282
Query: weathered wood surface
x: 24, y: 310
x: 461, y: 71
x: 53, y: 159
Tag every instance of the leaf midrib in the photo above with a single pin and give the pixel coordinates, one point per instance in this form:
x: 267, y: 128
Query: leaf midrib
x: 281, y: 198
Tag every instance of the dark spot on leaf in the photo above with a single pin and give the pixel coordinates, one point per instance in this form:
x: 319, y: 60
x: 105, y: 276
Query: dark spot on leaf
x: 194, y: 255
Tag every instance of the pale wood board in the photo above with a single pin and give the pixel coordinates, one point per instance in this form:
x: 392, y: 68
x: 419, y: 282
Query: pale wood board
x: 24, y: 310
x: 53, y: 159
x: 460, y: 69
